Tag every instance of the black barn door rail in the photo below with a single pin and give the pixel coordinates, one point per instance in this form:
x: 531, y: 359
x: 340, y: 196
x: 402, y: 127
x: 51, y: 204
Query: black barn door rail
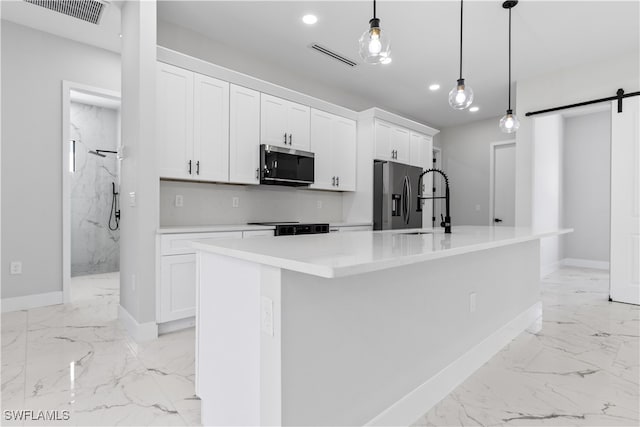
x: 620, y: 95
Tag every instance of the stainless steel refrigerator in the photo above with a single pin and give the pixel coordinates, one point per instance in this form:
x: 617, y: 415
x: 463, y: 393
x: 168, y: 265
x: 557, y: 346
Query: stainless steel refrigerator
x: 395, y: 195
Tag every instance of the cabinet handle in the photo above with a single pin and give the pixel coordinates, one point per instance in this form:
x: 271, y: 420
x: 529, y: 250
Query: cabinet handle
x: 258, y: 173
x: 189, y: 167
x: 337, y: 181
x: 333, y: 181
x: 285, y: 138
x: 290, y: 139
x: 198, y: 167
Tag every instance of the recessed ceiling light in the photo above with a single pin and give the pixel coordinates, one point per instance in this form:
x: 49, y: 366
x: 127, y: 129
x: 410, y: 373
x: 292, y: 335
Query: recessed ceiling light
x: 386, y: 60
x: 309, y: 19
x: 474, y: 109
x: 434, y: 87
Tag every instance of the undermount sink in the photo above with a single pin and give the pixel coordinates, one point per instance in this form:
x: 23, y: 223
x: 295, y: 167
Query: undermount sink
x: 417, y: 233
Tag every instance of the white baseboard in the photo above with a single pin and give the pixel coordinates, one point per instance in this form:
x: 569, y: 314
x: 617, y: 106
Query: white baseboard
x: 176, y: 325
x: 31, y: 301
x: 585, y: 263
x: 545, y: 270
x: 415, y: 404
x: 139, y: 331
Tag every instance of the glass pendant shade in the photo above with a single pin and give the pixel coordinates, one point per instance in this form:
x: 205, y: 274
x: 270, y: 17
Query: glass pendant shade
x: 509, y: 122
x: 374, y: 45
x: 461, y: 96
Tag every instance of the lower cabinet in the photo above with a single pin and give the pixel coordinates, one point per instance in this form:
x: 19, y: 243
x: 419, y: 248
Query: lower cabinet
x: 176, y: 290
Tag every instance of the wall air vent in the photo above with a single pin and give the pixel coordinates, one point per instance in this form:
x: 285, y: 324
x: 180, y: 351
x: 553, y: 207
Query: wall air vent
x: 87, y: 10
x: 334, y: 55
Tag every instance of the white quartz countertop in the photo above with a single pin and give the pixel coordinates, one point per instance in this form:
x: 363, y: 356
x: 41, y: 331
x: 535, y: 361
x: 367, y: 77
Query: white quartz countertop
x: 344, y: 254
x: 350, y: 224
x: 212, y: 228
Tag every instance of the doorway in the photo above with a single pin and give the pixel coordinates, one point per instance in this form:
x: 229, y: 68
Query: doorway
x: 437, y: 190
x: 91, y: 181
x: 502, y: 186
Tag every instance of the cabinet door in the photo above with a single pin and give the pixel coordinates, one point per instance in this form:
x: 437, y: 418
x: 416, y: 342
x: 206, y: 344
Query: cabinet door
x: 322, y: 146
x: 419, y: 151
x: 298, y: 118
x: 211, y: 129
x: 244, y: 135
x: 174, y: 123
x: 344, y: 153
x: 384, y: 148
x: 400, y: 141
x: 177, y: 287
x: 273, y: 120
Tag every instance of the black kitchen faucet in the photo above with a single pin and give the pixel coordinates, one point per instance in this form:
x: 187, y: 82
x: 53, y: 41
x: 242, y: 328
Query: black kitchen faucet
x: 446, y: 221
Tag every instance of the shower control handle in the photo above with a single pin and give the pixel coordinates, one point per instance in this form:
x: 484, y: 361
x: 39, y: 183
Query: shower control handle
x: 198, y: 167
x: 189, y: 167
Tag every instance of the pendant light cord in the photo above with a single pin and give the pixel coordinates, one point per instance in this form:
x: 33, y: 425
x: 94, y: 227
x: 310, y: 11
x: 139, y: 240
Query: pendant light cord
x: 509, y: 59
x: 461, y: 6
x: 374, y: 9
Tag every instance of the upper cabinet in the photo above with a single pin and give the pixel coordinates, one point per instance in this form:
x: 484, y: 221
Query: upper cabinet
x: 391, y: 142
x: 333, y: 141
x: 284, y: 123
x: 244, y: 135
x: 193, y: 125
x: 421, y: 150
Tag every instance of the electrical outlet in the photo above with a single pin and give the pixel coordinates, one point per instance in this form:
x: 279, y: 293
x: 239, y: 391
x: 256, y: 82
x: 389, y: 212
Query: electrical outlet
x: 266, y: 315
x: 179, y: 201
x: 472, y: 302
x: 319, y: 204
x: 235, y: 202
x: 132, y: 199
x: 16, y: 267
x: 477, y: 208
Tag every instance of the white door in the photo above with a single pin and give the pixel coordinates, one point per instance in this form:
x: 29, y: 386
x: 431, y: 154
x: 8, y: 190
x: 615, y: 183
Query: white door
x: 625, y: 208
x: 322, y: 146
x: 244, y: 135
x: 273, y: 121
x: 174, y: 121
x: 344, y: 153
x: 298, y: 118
x: 400, y: 141
x: 178, y: 293
x: 383, y: 141
x: 504, y: 187
x: 211, y: 129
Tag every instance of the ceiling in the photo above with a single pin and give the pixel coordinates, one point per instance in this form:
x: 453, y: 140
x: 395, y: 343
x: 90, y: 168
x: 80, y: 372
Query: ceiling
x: 547, y: 36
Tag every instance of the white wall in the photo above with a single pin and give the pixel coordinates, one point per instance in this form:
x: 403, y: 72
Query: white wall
x: 586, y: 186
x: 547, y: 187
x: 466, y: 161
x: 206, y: 204
x: 34, y: 64
x: 139, y: 170
x: 589, y: 81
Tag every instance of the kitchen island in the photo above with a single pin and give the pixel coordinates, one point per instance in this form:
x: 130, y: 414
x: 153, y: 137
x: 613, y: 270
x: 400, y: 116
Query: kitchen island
x: 355, y: 328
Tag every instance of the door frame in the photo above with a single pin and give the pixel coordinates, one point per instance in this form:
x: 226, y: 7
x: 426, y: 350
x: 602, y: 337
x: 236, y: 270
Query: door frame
x: 67, y: 87
x: 492, y: 172
x: 434, y: 222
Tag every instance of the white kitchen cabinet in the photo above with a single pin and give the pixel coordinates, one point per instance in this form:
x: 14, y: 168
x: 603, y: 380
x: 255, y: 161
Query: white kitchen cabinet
x: 420, y: 152
x: 244, y: 135
x: 174, y: 117
x: 333, y: 141
x: 176, y: 297
x: 284, y: 123
x: 193, y: 125
x: 391, y: 142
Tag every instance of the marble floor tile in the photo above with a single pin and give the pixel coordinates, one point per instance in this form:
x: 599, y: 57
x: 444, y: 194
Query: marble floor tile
x: 578, y: 365
x: 579, y: 369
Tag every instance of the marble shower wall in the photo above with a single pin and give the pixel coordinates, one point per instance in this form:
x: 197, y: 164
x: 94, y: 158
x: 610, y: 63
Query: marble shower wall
x: 94, y: 247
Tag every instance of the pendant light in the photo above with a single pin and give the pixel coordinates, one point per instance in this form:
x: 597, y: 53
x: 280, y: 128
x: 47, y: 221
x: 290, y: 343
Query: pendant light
x: 461, y: 96
x: 509, y: 122
x: 374, y: 45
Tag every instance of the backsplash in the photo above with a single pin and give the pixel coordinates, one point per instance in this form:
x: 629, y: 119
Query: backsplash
x: 206, y: 204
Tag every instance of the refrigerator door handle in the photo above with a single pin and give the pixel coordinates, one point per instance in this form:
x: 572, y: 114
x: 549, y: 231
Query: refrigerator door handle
x: 406, y: 200
x: 409, y: 201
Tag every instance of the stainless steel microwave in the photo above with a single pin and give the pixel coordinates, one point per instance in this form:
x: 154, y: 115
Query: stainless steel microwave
x: 285, y: 166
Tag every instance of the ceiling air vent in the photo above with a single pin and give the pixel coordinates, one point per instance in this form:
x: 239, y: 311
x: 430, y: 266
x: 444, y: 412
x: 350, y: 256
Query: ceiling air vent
x: 334, y: 55
x: 87, y: 10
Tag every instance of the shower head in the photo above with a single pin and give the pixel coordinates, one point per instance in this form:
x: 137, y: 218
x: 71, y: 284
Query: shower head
x: 97, y: 153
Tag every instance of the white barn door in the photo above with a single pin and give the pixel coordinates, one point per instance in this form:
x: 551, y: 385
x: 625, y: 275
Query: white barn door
x: 625, y: 202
